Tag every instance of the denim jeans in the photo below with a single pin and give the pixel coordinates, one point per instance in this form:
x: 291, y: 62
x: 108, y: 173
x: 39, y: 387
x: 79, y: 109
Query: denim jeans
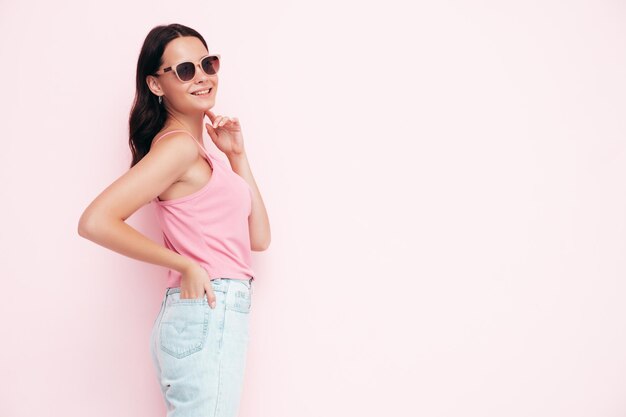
x: 199, y: 353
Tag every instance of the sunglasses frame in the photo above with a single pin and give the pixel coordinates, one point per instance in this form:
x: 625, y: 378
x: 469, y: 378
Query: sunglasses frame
x: 172, y: 68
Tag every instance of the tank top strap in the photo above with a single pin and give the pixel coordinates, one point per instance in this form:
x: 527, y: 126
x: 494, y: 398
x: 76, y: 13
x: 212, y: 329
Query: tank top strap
x: 182, y: 130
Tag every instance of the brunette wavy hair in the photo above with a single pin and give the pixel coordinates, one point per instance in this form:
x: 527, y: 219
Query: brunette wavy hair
x: 148, y: 116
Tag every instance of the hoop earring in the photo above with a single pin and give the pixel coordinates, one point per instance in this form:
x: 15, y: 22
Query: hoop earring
x: 160, y: 99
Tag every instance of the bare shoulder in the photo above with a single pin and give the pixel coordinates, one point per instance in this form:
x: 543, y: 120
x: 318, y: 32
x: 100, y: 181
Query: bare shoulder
x: 179, y: 141
x: 170, y: 156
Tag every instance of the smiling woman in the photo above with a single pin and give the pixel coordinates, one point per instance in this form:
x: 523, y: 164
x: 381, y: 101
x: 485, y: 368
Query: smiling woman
x: 211, y: 214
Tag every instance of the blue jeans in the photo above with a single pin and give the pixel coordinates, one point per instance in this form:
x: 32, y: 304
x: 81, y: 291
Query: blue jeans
x: 200, y: 353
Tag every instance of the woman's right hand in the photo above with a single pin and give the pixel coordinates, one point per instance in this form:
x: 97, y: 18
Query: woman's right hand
x: 195, y: 280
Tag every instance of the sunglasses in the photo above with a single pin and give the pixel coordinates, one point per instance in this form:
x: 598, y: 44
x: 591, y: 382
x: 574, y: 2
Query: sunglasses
x: 185, y: 71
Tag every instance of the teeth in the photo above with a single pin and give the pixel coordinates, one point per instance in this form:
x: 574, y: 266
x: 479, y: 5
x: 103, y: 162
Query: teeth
x: 199, y: 93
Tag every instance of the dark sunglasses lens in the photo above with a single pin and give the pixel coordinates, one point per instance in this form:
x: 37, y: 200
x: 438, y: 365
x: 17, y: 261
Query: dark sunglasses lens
x: 186, y: 71
x: 211, y: 64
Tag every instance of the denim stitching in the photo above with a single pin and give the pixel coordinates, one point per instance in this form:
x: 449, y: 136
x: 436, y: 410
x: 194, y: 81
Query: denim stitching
x: 194, y: 348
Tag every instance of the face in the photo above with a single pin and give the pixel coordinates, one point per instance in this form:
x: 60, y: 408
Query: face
x: 178, y: 96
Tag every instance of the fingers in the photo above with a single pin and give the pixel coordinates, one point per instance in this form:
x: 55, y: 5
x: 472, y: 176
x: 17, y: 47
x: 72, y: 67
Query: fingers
x: 212, y: 118
x: 211, y: 131
x: 210, y: 295
x: 186, y: 295
x: 219, y: 121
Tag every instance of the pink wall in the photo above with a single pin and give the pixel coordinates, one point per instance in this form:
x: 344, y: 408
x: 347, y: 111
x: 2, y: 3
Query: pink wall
x: 445, y: 185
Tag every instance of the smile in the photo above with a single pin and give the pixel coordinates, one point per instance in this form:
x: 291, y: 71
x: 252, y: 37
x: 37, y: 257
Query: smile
x: 203, y: 92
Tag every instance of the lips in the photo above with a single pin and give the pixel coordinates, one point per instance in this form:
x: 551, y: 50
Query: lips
x: 205, y: 92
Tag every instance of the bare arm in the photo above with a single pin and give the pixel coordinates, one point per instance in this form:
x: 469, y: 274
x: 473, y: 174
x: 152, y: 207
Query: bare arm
x: 104, y: 220
x: 258, y: 221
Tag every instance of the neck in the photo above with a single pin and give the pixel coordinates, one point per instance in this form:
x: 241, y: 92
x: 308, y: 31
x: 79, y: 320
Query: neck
x: 191, y: 122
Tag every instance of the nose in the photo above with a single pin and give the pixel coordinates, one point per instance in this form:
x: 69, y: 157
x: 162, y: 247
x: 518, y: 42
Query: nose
x: 200, y: 74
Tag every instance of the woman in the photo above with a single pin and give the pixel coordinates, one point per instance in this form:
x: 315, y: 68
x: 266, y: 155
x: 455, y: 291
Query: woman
x: 212, y: 217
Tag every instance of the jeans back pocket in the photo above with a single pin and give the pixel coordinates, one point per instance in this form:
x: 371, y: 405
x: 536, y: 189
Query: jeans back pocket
x: 184, y: 326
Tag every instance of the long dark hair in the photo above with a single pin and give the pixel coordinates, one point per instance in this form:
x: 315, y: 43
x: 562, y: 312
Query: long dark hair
x: 147, y: 116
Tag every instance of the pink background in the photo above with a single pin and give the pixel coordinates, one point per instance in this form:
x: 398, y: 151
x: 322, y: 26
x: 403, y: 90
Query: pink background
x: 445, y: 185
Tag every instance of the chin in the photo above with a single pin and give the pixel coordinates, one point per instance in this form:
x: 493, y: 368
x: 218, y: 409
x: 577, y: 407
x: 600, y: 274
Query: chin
x: 203, y: 106
x: 208, y: 106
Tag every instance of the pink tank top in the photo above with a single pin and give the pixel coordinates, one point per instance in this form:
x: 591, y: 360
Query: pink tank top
x: 210, y: 226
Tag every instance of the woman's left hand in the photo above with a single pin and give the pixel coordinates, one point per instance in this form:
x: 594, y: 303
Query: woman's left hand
x: 225, y: 133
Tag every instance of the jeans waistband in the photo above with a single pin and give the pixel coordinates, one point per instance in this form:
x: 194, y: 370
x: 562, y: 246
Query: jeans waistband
x: 219, y: 284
